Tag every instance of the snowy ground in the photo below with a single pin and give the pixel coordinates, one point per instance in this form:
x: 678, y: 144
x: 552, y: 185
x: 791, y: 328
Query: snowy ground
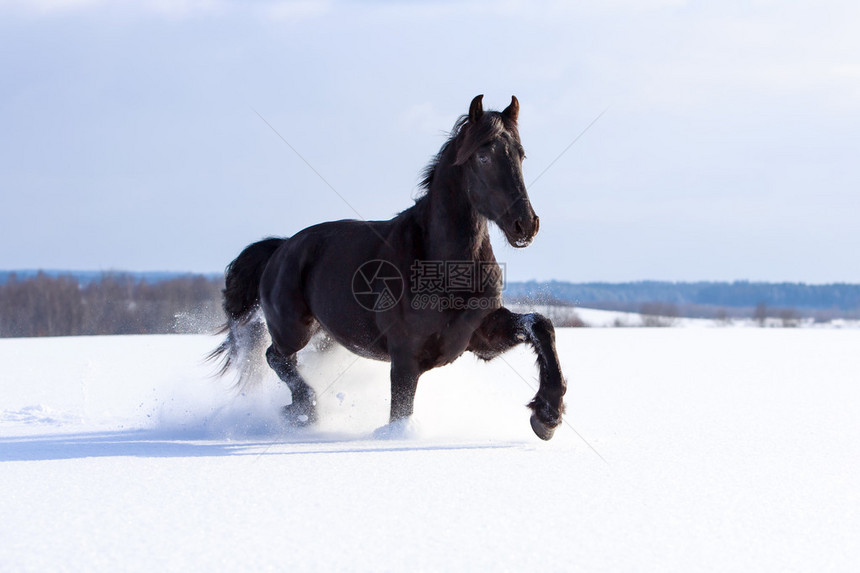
x: 685, y: 450
x: 613, y: 318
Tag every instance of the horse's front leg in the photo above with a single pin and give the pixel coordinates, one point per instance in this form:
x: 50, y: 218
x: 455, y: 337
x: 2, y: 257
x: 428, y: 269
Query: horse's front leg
x: 404, y: 383
x: 503, y: 330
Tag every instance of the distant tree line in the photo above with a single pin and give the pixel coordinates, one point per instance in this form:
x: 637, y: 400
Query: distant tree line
x: 705, y: 299
x: 85, y: 303
x: 44, y: 305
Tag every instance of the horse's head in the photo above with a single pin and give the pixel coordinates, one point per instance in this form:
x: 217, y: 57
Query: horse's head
x: 491, y: 154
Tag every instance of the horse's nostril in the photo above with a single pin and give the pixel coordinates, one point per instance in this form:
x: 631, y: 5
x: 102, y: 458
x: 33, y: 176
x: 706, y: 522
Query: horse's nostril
x: 518, y: 227
x: 537, y: 224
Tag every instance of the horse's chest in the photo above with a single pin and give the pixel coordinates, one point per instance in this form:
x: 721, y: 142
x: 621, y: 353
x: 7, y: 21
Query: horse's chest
x: 445, y: 345
x: 437, y: 351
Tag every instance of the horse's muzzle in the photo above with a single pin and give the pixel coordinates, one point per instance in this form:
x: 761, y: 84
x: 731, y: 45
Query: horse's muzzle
x: 523, y: 231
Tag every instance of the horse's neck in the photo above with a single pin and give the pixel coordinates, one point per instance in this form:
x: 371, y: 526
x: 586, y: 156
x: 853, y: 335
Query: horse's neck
x: 455, y: 230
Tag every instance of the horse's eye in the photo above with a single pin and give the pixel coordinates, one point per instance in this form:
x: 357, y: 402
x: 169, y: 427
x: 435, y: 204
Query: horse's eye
x: 483, y: 158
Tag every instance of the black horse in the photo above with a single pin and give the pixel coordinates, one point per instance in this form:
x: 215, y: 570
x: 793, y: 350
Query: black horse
x: 418, y: 290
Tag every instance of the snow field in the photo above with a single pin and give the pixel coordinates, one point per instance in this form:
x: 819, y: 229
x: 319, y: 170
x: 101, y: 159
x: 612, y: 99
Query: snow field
x: 725, y: 449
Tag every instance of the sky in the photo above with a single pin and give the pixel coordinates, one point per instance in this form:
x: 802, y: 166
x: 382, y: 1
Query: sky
x: 160, y: 135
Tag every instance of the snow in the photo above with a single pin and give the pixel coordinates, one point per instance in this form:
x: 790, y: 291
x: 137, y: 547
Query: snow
x: 613, y: 318
x: 724, y: 449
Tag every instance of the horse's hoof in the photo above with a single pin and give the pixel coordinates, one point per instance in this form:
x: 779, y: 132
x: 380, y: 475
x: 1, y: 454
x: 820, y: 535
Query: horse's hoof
x: 402, y: 429
x: 300, y: 415
x: 543, y: 431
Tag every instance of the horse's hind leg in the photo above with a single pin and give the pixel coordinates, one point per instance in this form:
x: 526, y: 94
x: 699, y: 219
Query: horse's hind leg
x: 291, y: 325
x: 289, y: 335
x: 302, y: 410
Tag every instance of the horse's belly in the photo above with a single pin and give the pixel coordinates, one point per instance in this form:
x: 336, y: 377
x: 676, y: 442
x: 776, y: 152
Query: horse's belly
x: 371, y: 352
x: 358, y: 336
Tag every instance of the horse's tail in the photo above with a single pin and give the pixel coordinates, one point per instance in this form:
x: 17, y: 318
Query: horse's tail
x: 245, y: 328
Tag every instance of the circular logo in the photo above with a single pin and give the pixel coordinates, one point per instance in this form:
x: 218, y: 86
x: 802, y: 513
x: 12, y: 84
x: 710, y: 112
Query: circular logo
x: 377, y: 285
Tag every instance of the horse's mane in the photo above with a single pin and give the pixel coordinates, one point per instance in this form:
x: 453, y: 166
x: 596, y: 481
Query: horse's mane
x: 465, y: 138
x: 427, y: 172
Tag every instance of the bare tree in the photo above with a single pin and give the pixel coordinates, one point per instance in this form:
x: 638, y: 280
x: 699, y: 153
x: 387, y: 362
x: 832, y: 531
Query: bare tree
x: 789, y: 318
x: 658, y: 314
x: 722, y: 317
x: 760, y: 314
x: 114, y: 304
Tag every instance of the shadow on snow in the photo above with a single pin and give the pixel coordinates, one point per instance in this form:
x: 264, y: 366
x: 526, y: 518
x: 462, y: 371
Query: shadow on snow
x: 155, y: 444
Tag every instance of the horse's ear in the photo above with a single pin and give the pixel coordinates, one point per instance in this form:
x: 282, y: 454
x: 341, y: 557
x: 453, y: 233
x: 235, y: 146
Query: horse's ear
x: 512, y: 111
x: 476, y: 109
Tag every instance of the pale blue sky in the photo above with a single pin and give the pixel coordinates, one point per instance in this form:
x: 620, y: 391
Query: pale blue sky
x: 729, y: 149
